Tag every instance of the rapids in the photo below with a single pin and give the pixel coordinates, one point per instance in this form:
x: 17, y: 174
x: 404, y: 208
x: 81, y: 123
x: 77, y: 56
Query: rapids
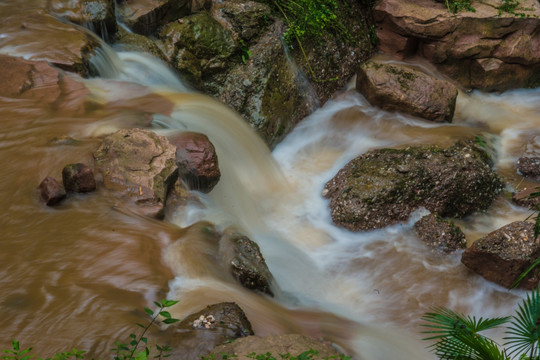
x: 78, y: 275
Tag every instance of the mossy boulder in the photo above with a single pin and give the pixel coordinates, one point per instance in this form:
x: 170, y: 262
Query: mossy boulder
x: 402, y: 88
x: 384, y: 186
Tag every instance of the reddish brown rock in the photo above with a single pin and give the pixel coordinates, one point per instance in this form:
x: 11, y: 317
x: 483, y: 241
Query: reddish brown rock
x: 197, y: 161
x: 78, y: 178
x: 501, y: 256
x: 397, y: 87
x: 529, y: 167
x: 439, y: 234
x: 139, y: 164
x: 487, y: 49
x: 51, y: 191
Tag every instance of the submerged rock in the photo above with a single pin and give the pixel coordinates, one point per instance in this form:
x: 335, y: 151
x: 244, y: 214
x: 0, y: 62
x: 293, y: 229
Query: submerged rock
x: 51, y: 191
x: 397, y: 87
x: 245, y: 262
x: 384, y: 186
x: 488, y: 49
x: 292, y: 344
x: 139, y: 164
x: 197, y: 161
x: 78, y: 178
x: 529, y: 167
x: 229, y: 323
x: 96, y: 15
x: 439, y: 234
x: 501, y: 256
x: 144, y: 17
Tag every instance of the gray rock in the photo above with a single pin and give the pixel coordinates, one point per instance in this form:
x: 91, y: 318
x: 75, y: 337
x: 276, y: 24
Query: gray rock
x: 439, y: 234
x: 529, y: 167
x: 384, y: 186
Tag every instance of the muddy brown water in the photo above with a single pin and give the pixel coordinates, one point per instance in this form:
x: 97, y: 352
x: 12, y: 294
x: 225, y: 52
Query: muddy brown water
x: 79, y: 275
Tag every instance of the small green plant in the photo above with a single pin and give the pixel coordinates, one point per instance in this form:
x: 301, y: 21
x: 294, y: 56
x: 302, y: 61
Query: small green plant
x: 511, y: 7
x: 455, y: 6
x: 245, y: 53
x: 458, y: 336
x: 121, y: 351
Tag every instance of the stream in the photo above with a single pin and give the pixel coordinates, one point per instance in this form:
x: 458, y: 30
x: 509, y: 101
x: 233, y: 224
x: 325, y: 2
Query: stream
x: 81, y: 273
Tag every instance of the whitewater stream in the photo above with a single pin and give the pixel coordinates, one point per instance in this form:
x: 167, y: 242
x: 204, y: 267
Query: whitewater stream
x: 80, y: 274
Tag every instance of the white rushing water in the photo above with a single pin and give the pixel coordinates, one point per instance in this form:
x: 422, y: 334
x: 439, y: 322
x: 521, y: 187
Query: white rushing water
x: 378, y: 280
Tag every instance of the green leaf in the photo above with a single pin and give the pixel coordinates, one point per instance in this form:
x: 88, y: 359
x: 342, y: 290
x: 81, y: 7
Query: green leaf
x: 141, y: 325
x: 144, y: 340
x: 133, y: 342
x: 165, y: 314
x: 524, y: 334
x: 157, y: 304
x: 168, y: 303
x: 170, y: 321
x: 524, y: 274
x: 149, y: 311
x: 15, y: 345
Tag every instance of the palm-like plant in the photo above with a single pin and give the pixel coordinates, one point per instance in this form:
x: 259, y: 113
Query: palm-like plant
x: 458, y: 336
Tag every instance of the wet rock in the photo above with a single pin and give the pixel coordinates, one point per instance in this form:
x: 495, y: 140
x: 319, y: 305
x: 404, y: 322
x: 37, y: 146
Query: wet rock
x: 293, y: 344
x: 401, y: 88
x: 267, y: 90
x: 126, y: 41
x: 96, y: 15
x: 487, y: 49
x: 384, y: 186
x: 439, y: 234
x: 200, y: 5
x: 37, y: 80
x: 247, y: 18
x: 230, y: 323
x: 245, y: 262
x: 524, y: 198
x: 78, y: 178
x: 504, y: 254
x: 529, y: 167
x: 197, y: 160
x: 139, y: 164
x: 144, y: 16
x: 51, y: 191
x: 74, y: 54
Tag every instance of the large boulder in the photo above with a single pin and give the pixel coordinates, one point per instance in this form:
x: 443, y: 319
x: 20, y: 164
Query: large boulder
x: 20, y: 31
x: 145, y: 16
x: 139, y: 164
x: 488, y: 49
x: 96, y: 15
x: 197, y: 160
x: 501, y: 256
x: 244, y: 260
x: 293, y: 344
x: 384, y: 186
x: 441, y: 235
x: 199, y: 333
x: 402, y: 88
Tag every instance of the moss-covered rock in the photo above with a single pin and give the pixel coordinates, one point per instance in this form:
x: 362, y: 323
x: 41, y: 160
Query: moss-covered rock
x: 383, y: 187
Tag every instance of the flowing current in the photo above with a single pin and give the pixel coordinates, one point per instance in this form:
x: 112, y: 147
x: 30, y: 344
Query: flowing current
x: 78, y: 274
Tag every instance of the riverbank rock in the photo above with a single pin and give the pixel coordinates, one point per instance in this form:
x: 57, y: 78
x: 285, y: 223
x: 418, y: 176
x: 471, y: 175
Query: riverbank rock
x: 139, y: 164
x: 78, y: 178
x: 40, y: 82
x: 439, y: 234
x: 225, y: 322
x: 144, y: 16
x: 244, y: 260
x: 292, y: 344
x: 51, y: 191
x: 384, y: 186
x: 127, y: 41
x: 523, y: 198
x: 197, y: 160
x: 488, y: 49
x: 501, y: 256
x: 21, y: 31
x: 402, y: 88
x: 96, y: 15
x: 529, y: 167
